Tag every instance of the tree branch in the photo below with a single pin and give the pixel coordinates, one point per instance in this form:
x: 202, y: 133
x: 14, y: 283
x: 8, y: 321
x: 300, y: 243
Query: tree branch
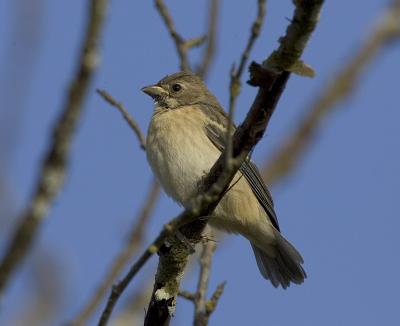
x: 211, y: 304
x: 187, y: 295
x: 283, y: 161
x: 128, y: 118
x: 209, y: 50
x: 181, y: 45
x: 53, y: 170
x: 235, y: 84
x: 201, y: 314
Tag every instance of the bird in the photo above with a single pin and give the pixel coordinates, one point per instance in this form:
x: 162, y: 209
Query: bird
x: 185, y: 137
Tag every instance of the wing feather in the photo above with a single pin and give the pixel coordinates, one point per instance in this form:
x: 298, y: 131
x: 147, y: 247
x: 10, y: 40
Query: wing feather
x: 215, y: 131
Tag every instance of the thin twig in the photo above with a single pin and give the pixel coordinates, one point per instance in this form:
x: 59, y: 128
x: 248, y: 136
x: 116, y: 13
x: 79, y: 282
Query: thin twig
x: 286, y: 158
x: 178, y: 40
x: 187, y: 295
x: 254, y: 34
x: 55, y: 162
x: 135, y: 239
x: 201, y: 313
x: 132, y: 123
x: 211, y: 304
x: 209, y: 50
x: 183, y: 46
x: 235, y: 83
x: 195, y: 42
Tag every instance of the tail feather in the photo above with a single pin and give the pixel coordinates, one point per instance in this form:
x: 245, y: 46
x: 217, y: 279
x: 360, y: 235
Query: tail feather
x: 285, y: 267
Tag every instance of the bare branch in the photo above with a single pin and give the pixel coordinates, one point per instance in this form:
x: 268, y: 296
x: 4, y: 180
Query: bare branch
x: 209, y: 50
x: 181, y: 48
x: 235, y: 83
x: 195, y: 42
x: 133, y: 244
x: 283, y: 161
x: 254, y: 34
x: 187, y: 295
x: 211, y: 304
x: 201, y: 312
x: 53, y: 170
x: 128, y: 118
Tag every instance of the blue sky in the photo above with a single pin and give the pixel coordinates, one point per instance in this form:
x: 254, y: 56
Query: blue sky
x: 339, y: 207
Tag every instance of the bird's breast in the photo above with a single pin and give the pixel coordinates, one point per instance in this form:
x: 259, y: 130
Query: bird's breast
x: 179, y: 151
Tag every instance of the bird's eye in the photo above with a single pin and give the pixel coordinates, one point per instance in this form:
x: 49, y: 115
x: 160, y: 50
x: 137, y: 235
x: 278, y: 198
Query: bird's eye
x: 176, y: 87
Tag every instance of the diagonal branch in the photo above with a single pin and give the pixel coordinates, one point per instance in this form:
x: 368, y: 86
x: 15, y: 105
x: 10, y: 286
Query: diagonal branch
x: 235, y: 84
x: 55, y: 162
x: 174, y: 255
x: 211, y: 304
x: 209, y: 50
x: 283, y: 161
x: 178, y: 40
x: 128, y: 118
x: 181, y: 45
x: 254, y: 34
x: 201, y: 314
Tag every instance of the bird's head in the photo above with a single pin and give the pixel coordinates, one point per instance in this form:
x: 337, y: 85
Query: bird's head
x: 178, y: 90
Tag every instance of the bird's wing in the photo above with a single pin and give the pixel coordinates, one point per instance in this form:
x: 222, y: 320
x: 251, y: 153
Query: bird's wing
x: 216, y: 132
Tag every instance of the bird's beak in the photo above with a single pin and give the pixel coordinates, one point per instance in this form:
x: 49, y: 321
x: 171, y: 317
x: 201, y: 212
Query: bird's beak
x: 154, y: 91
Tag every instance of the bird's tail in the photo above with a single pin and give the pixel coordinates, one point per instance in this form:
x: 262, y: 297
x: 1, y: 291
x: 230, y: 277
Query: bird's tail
x: 282, y: 268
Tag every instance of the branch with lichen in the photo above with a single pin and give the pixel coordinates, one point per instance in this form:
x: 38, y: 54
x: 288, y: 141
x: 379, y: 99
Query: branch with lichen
x: 173, y: 252
x: 53, y: 170
x: 288, y: 154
